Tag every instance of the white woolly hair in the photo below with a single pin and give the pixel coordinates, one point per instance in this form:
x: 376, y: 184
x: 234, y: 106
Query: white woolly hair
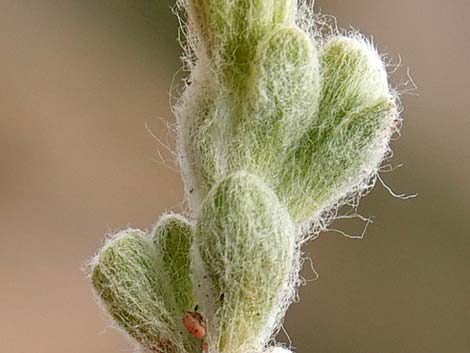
x: 282, y: 119
x: 209, y: 149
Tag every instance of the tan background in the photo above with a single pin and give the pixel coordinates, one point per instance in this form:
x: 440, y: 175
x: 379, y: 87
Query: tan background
x: 78, y: 81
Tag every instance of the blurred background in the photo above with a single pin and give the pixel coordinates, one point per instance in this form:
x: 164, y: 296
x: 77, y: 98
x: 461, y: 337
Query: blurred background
x: 83, y: 86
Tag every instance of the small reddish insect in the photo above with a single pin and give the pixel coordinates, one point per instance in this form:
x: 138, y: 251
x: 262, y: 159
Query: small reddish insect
x: 194, y: 323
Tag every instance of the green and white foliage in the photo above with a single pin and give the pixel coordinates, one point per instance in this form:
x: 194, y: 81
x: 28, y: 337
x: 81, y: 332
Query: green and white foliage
x: 277, y: 127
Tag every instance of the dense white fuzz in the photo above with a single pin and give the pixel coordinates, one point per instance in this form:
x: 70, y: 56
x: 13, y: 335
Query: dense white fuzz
x: 277, y: 127
x: 245, y: 262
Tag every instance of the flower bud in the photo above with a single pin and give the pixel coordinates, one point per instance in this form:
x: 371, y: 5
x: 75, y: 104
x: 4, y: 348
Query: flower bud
x: 245, y: 263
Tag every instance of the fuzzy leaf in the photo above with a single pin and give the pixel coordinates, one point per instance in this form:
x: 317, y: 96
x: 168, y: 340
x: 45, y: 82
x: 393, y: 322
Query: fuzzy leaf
x: 245, y: 263
x: 172, y: 239
x: 130, y: 278
x: 349, y: 138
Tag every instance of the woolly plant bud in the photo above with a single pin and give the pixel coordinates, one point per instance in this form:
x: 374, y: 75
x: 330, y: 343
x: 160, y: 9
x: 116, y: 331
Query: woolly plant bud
x: 244, y: 262
x: 349, y: 138
x: 126, y: 279
x: 282, y: 99
x: 231, y: 28
x: 274, y: 130
x: 131, y: 279
x: 255, y: 126
x: 173, y: 238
